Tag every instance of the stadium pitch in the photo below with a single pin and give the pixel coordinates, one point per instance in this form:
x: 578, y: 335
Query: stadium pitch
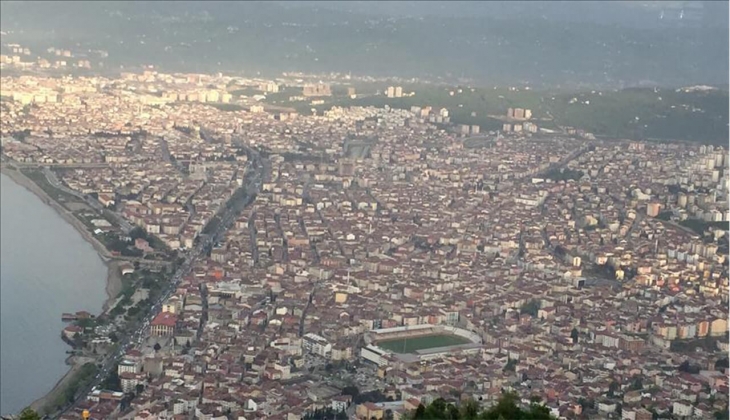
x: 413, y: 344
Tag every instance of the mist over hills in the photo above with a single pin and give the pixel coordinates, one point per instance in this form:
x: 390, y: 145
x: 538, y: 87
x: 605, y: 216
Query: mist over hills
x: 621, y: 13
x: 561, y: 44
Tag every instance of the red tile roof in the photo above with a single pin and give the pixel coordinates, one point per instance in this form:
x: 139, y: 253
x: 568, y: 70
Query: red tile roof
x: 166, y: 319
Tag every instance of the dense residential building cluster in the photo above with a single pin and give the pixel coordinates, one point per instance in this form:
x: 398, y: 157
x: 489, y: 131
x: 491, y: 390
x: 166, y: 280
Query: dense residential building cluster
x: 569, y: 257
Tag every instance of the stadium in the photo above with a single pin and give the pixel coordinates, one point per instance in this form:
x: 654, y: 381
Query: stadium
x: 414, y: 343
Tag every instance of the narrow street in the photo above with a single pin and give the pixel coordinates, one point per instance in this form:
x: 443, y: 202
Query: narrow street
x: 93, y: 203
x: 228, y: 214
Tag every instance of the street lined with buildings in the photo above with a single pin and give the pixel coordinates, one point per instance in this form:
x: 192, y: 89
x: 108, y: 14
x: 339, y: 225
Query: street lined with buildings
x: 563, y: 254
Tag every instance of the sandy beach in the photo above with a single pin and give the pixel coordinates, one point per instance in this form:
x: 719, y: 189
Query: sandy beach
x: 113, y: 280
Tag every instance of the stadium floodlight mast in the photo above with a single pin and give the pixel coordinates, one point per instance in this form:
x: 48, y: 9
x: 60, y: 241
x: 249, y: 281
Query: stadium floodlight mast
x: 405, y: 339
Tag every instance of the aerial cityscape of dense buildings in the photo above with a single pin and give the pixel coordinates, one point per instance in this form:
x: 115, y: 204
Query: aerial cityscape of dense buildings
x: 589, y: 273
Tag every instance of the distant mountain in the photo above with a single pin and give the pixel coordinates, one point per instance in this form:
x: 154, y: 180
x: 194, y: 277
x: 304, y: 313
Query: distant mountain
x: 537, y: 43
x: 642, y: 14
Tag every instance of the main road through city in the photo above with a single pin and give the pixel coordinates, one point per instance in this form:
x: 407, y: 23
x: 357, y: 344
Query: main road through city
x: 227, y: 215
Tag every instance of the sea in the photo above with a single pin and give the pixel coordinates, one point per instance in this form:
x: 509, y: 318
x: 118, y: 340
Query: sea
x: 46, y: 269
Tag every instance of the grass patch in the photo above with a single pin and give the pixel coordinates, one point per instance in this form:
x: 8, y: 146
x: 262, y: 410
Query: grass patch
x: 226, y: 107
x: 39, y: 178
x: 479, y: 142
x: 700, y: 226
x: 708, y: 343
x: 212, y: 225
x: 246, y: 91
x: 412, y: 344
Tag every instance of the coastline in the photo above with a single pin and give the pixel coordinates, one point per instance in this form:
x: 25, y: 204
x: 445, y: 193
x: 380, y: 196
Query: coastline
x: 113, y: 279
x: 113, y: 284
x: 75, y: 364
x: 25, y: 182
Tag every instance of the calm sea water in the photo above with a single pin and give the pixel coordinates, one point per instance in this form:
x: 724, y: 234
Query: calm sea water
x: 46, y: 268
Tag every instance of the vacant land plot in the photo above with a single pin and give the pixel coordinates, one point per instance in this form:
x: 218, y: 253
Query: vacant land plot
x: 412, y: 344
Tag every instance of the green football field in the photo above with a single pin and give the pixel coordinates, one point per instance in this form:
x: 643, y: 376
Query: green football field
x: 419, y: 343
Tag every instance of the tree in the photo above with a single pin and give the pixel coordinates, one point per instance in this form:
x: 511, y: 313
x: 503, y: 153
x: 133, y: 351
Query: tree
x: 689, y: 368
x: 505, y: 409
x: 722, y: 364
x: 325, y: 414
x: 420, y: 412
x: 371, y: 396
x: 452, y: 412
x: 29, y: 414
x: 138, y: 233
x: 636, y: 383
x: 586, y: 404
x: 112, y: 381
x: 157, y: 347
x: 437, y: 409
x: 510, y: 366
x: 612, y: 388
x: 721, y: 414
x: 530, y: 307
x: 469, y: 410
x: 574, y: 335
x: 351, y: 390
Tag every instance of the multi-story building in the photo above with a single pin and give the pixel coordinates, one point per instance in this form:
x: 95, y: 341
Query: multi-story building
x: 652, y: 209
x: 317, y: 90
x: 163, y: 325
x: 316, y: 344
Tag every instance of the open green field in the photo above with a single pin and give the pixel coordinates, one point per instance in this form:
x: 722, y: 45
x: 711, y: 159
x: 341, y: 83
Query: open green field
x: 413, y: 344
x: 39, y: 178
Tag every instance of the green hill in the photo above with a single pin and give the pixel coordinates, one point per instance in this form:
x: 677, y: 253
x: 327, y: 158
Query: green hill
x: 639, y: 113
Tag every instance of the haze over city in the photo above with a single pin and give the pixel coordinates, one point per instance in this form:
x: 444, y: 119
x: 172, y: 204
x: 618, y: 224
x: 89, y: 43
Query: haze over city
x: 364, y: 210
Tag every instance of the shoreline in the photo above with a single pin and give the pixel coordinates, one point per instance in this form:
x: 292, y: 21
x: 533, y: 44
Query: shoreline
x: 75, y: 363
x: 113, y: 284
x: 27, y: 183
x: 113, y: 280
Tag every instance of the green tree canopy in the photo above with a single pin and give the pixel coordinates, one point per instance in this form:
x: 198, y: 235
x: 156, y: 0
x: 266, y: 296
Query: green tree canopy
x: 29, y: 414
x: 507, y: 408
x: 531, y: 307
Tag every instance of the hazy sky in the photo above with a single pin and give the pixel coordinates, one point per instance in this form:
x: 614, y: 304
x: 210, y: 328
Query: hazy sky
x: 637, y: 13
x: 607, y: 43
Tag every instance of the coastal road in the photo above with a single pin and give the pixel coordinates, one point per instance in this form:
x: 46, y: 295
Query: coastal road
x: 56, y: 183
x: 255, y: 176
x: 21, y: 165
